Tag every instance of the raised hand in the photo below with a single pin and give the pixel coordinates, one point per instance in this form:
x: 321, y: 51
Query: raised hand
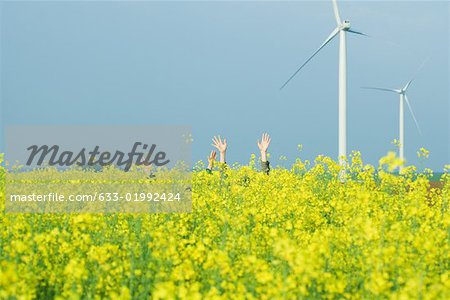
x: 211, y: 159
x: 263, y: 145
x: 220, y: 145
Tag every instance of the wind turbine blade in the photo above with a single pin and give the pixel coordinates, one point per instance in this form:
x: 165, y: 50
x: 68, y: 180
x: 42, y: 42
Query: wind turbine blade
x: 412, y: 114
x: 380, y: 89
x: 415, y: 74
x: 336, y: 13
x: 332, y: 35
x: 357, y: 32
x: 408, y: 84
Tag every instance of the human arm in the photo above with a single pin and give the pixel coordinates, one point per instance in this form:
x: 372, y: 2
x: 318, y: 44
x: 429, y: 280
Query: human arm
x: 263, y: 145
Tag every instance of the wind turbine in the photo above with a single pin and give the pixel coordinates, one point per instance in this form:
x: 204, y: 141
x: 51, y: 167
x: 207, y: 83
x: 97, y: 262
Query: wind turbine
x: 403, y: 98
x: 341, y: 29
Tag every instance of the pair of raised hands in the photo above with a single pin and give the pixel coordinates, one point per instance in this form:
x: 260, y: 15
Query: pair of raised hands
x: 221, y: 146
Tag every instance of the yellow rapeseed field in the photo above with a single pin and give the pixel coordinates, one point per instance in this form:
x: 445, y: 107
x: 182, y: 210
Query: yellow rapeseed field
x: 298, y: 233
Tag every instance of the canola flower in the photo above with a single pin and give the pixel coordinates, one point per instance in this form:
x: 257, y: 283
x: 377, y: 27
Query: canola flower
x: 300, y: 233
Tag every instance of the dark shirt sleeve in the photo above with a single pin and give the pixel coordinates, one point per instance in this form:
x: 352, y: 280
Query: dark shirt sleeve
x: 265, y: 167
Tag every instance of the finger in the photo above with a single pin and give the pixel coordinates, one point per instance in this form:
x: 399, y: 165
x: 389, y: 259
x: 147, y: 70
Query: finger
x: 218, y: 143
x: 225, y: 141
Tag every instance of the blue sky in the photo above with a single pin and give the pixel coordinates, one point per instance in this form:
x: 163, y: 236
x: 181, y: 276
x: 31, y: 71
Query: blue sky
x: 218, y: 66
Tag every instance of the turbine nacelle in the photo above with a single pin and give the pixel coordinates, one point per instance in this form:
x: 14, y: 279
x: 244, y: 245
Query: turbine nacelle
x: 345, y: 25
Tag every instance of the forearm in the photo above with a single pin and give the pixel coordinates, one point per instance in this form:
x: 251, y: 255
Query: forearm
x: 223, y: 156
x: 263, y: 156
